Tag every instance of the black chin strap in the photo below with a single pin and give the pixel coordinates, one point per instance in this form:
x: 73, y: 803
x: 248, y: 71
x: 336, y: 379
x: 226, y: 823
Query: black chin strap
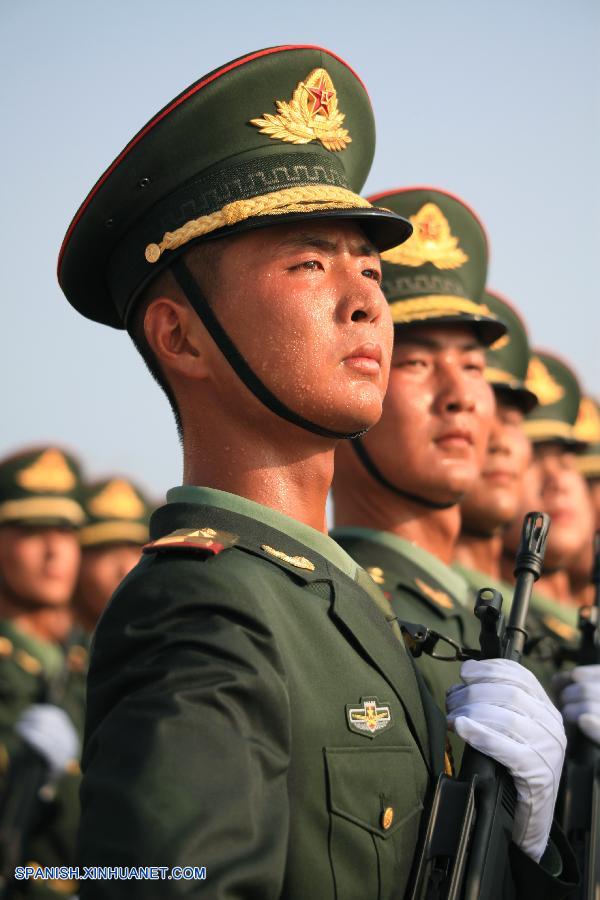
x: 237, y: 362
x: 372, y: 469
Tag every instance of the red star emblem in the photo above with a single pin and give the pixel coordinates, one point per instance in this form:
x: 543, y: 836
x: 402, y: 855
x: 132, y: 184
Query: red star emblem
x: 321, y: 96
x: 429, y: 229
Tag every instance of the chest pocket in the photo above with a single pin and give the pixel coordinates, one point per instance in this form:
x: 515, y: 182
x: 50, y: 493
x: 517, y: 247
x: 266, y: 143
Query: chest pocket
x: 375, y: 805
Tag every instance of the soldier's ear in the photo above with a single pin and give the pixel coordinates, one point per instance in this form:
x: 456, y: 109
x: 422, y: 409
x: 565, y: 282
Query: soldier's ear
x: 176, y: 337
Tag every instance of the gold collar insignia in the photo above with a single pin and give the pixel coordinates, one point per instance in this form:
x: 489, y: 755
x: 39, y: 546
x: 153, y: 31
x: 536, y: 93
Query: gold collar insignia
x: 562, y: 629
x: 439, y: 597
x: 301, y: 562
x: 49, y: 472
x: 540, y: 381
x: 311, y: 115
x: 431, y: 241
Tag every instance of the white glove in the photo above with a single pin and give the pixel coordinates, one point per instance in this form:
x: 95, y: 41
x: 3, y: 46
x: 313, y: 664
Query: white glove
x: 49, y: 730
x: 578, y: 698
x: 503, y: 711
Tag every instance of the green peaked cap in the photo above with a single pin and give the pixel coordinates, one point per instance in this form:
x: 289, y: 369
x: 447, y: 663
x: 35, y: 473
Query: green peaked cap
x: 281, y: 135
x: 439, y: 274
x: 41, y: 486
x: 508, y: 357
x: 587, y: 429
x: 556, y: 386
x: 117, y: 511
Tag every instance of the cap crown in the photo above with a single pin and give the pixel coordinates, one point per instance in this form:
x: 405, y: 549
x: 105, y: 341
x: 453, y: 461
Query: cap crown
x: 558, y: 392
x: 41, y: 485
x: 116, y: 511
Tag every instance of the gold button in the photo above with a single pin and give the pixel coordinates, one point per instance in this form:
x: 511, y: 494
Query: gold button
x: 387, y: 817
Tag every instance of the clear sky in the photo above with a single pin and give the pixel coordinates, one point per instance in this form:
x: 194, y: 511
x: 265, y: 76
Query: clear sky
x: 496, y: 100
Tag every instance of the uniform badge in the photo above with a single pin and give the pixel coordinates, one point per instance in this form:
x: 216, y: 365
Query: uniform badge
x: 206, y: 541
x: 431, y: 241
x: 376, y: 574
x: 562, y: 629
x: 440, y: 598
x: 370, y: 718
x: 540, y: 381
x: 300, y: 562
x: 117, y: 500
x: 311, y: 115
x: 49, y: 472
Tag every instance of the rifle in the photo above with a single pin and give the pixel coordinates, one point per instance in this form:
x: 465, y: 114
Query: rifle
x: 26, y: 788
x: 579, y: 805
x: 466, y: 845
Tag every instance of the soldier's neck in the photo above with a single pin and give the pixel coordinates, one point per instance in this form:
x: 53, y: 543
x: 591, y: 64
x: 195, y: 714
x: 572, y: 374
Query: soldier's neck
x: 292, y: 476
x: 556, y: 585
x: 372, y: 506
x: 480, y: 552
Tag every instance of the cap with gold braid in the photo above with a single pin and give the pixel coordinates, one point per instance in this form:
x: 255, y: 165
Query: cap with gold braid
x: 558, y: 392
x: 117, y: 512
x: 587, y: 429
x: 283, y: 134
x: 508, y: 357
x: 41, y: 486
x: 439, y: 274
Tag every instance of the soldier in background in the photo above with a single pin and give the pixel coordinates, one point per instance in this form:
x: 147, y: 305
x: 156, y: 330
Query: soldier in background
x: 587, y: 428
x: 40, y: 512
x: 555, y: 483
x: 116, y: 528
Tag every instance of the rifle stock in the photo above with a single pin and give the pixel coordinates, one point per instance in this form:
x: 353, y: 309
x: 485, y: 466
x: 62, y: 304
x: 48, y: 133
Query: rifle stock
x: 466, y: 845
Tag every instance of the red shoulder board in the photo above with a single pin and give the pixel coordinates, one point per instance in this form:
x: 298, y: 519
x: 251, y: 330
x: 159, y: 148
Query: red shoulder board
x: 204, y: 541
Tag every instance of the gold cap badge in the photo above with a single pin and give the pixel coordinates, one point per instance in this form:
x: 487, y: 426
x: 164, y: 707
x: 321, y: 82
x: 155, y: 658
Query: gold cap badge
x: 540, y: 381
x: 311, y: 115
x: 49, y: 472
x: 587, y: 426
x: 431, y: 241
x: 439, y: 597
x: 117, y: 500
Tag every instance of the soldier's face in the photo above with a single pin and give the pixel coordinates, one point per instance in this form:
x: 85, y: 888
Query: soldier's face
x: 304, y: 306
x: 498, y: 494
x: 38, y: 565
x: 102, y: 570
x: 554, y: 486
x: 437, y: 413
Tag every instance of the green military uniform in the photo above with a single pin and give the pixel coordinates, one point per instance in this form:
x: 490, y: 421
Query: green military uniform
x: 40, y: 487
x: 421, y: 590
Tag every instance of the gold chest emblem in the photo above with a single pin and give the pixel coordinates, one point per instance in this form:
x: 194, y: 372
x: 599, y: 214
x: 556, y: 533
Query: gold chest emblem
x: 117, y: 500
x: 49, y: 472
x: 311, y: 115
x: 540, y: 381
x: 431, y: 241
x: 587, y: 426
x: 440, y: 598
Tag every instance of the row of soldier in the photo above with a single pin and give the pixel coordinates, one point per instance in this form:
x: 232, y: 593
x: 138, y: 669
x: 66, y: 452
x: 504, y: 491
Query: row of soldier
x: 252, y: 704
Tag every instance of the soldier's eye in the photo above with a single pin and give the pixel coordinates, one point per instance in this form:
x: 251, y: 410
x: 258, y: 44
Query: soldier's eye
x: 375, y: 274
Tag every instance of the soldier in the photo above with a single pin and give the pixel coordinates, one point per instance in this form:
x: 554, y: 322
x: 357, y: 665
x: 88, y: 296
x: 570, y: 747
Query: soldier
x: 115, y: 530
x: 501, y: 496
x: 555, y: 482
x: 40, y: 511
x: 249, y: 709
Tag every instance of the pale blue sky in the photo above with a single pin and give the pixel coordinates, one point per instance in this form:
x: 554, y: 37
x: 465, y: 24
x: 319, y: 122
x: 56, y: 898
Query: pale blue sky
x: 496, y: 100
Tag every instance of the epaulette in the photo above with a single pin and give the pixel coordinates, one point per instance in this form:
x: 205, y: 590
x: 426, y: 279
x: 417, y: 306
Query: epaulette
x: 203, y: 541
